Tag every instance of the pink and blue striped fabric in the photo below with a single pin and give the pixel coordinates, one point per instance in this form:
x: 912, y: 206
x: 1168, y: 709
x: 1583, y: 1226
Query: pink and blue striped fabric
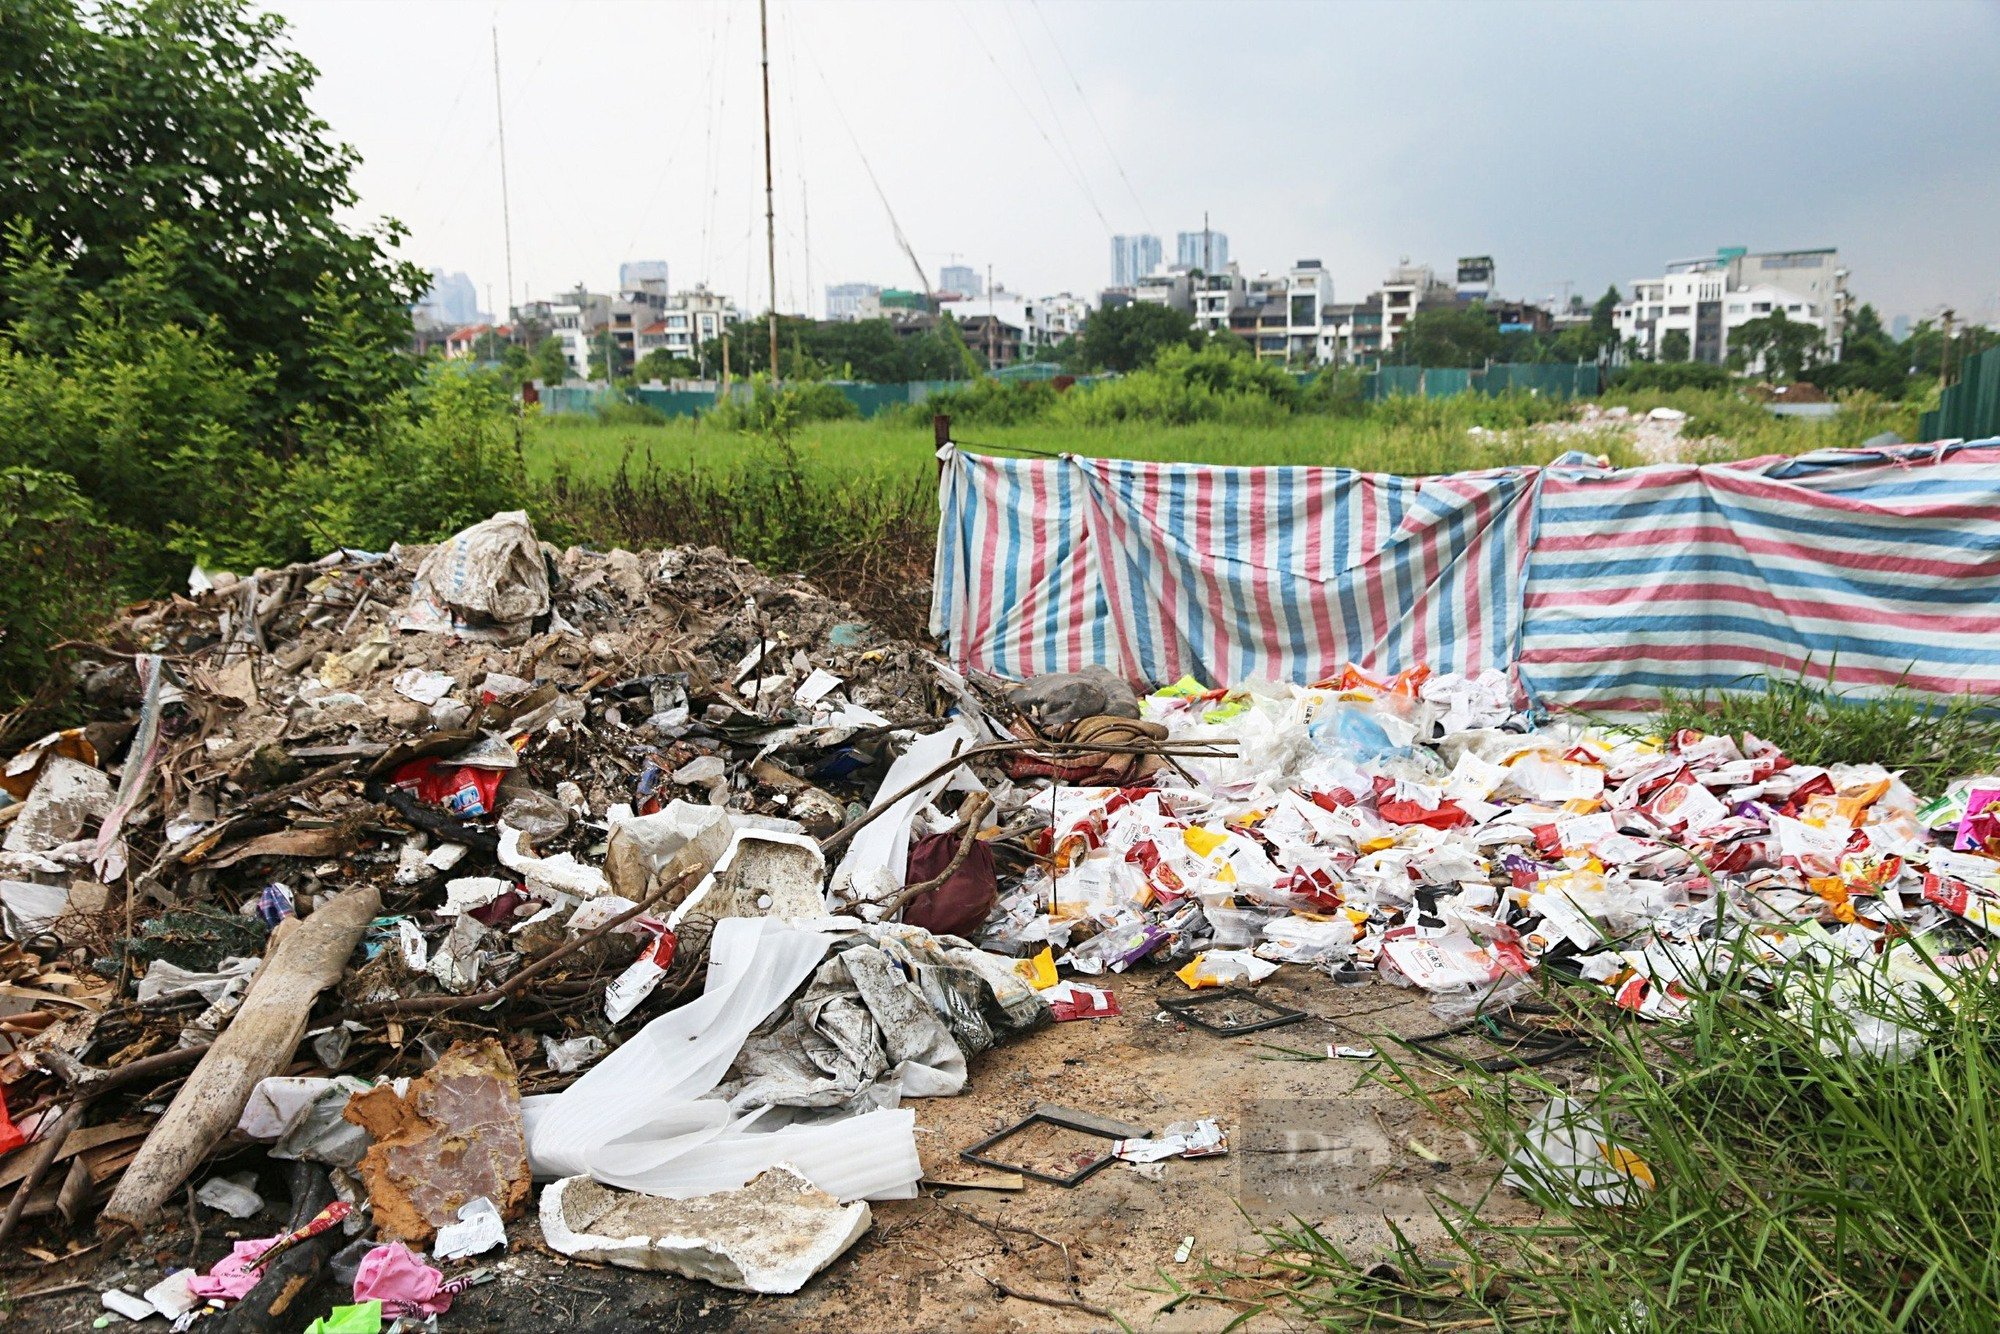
x: 1878, y: 567
x: 1593, y: 587
x: 1227, y: 574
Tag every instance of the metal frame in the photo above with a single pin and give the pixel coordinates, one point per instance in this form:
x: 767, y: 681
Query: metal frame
x: 1188, y: 1007
x: 1067, y: 1120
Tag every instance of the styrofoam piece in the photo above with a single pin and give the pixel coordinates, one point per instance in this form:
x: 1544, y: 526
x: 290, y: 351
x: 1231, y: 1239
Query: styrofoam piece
x: 764, y: 873
x: 638, y: 1119
x: 561, y: 872
x: 770, y: 1236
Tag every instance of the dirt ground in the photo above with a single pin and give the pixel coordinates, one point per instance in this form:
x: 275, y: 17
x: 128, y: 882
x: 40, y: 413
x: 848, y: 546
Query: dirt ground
x: 1311, y: 1138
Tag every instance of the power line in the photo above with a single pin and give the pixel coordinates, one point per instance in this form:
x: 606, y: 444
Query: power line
x: 923, y: 281
x: 1035, y: 120
x: 1034, y: 68
x: 1089, y: 111
x: 673, y: 150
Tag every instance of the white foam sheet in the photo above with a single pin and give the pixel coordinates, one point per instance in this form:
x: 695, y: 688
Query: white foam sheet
x: 638, y: 1119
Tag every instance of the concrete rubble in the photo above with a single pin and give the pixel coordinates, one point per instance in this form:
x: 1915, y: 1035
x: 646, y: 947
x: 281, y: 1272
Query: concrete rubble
x: 379, y: 888
x: 769, y: 1236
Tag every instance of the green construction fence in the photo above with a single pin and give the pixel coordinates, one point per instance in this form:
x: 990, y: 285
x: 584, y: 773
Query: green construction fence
x: 1549, y: 380
x: 1970, y: 409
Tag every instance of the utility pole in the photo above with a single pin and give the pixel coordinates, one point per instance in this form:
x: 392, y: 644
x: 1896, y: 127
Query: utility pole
x: 770, y: 213
x: 506, y: 225
x: 1944, y: 353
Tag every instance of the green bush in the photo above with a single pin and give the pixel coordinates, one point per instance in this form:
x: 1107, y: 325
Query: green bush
x: 1336, y: 392
x: 625, y: 412
x: 1182, y: 386
x: 56, y: 580
x: 987, y: 402
x: 777, y: 411
x: 1670, y: 375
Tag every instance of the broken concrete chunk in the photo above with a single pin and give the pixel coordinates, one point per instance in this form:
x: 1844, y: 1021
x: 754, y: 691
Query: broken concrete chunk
x: 454, y: 1137
x: 769, y: 1236
x: 765, y: 873
x: 68, y: 795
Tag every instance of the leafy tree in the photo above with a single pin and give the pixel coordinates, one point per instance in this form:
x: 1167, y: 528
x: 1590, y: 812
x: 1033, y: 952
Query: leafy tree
x: 1784, y: 347
x: 1447, y: 336
x: 1124, y: 338
x: 1925, y: 347
x: 1674, y: 345
x: 1235, y: 344
x: 662, y: 365
x: 121, y: 116
x: 1603, y: 318
x: 548, y: 362
x: 1869, y: 359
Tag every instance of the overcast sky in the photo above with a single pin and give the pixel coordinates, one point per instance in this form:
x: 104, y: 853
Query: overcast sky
x: 1579, y: 144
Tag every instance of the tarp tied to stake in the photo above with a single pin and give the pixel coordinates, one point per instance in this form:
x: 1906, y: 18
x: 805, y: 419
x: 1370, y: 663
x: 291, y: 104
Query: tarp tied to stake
x: 1163, y: 569
x: 1591, y: 585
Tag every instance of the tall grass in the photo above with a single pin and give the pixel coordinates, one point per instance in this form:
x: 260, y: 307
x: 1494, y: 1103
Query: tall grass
x: 867, y: 539
x: 1930, y: 739
x: 1798, y: 1187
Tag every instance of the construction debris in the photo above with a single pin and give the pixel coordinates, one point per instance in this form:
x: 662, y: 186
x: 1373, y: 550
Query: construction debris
x: 424, y: 871
x: 769, y: 1236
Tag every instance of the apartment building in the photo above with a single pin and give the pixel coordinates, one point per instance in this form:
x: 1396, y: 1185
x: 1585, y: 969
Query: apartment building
x: 1708, y: 297
x: 686, y: 321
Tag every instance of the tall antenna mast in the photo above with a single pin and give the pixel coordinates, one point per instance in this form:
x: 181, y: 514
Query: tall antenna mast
x: 770, y: 213
x: 506, y: 224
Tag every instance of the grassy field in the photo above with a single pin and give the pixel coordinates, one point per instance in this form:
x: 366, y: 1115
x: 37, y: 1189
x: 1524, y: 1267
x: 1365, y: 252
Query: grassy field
x: 1403, y: 437
x: 854, y: 503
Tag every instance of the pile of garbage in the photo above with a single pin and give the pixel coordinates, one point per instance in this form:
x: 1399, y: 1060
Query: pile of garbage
x: 416, y: 878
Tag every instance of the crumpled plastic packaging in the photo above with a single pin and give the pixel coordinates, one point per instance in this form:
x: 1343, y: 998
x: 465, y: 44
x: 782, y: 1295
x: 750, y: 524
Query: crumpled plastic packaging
x: 393, y: 1274
x: 1565, y: 1153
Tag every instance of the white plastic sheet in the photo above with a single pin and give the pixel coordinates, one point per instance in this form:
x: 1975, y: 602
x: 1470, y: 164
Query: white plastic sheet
x: 639, y: 1119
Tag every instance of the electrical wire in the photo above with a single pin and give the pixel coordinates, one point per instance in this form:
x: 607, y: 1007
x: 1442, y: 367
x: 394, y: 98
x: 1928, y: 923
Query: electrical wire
x: 674, y: 148
x: 1028, y: 111
x: 1091, y: 112
x: 868, y: 167
x: 1034, y: 68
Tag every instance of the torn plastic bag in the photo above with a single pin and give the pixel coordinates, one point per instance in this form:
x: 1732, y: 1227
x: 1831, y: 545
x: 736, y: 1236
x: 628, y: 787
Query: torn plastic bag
x: 638, y: 1118
x: 487, y: 582
x: 1566, y: 1155
x: 67, y: 795
x: 872, y: 870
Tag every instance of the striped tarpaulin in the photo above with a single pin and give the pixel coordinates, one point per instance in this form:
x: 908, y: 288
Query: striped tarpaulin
x: 1016, y: 590
x: 1598, y: 587
x: 1878, y: 568
x: 1228, y: 574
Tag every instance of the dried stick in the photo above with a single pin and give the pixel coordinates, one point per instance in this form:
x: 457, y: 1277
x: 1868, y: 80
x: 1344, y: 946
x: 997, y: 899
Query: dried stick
x: 46, y: 1150
x: 1042, y: 1299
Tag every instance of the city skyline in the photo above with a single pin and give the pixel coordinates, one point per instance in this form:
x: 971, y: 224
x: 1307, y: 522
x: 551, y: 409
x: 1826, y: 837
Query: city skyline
x: 1518, y: 133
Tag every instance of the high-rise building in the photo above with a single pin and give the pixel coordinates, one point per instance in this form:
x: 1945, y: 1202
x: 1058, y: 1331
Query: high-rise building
x: 1204, y: 250
x: 451, y: 300
x: 648, y: 274
x: 1132, y: 258
x: 843, y: 300
x: 960, y: 280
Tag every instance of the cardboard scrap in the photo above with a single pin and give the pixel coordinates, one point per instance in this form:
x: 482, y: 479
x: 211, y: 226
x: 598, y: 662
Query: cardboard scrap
x: 454, y: 1137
